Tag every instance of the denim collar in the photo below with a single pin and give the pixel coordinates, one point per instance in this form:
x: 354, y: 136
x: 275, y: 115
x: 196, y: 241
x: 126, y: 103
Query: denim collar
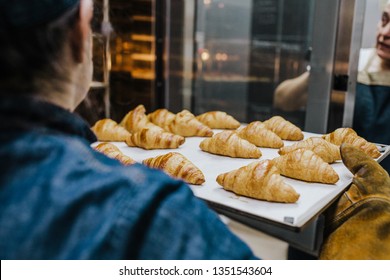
x: 26, y: 113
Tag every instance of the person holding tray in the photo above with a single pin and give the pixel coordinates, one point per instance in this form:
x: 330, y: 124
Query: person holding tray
x: 61, y: 199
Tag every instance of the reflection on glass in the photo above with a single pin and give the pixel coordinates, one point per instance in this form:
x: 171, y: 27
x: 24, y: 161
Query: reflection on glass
x: 244, y: 49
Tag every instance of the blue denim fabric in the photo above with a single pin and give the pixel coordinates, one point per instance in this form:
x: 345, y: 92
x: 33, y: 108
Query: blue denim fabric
x: 372, y: 115
x: 60, y: 199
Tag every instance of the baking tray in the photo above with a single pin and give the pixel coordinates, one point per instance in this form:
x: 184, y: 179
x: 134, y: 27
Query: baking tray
x: 314, y: 197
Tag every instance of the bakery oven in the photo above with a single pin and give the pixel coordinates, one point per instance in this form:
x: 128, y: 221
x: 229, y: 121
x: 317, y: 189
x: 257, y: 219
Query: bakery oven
x: 225, y: 55
x: 242, y: 50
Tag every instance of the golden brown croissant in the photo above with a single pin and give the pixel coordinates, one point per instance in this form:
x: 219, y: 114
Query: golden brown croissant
x: 285, y: 129
x: 109, y: 130
x: 185, y: 124
x: 178, y: 166
x: 257, y: 133
x: 150, y: 138
x: 260, y: 180
x: 136, y: 119
x: 218, y: 120
x: 348, y: 135
x: 112, y: 151
x: 305, y: 165
x: 228, y: 143
x: 326, y: 150
x: 338, y: 136
x: 162, y: 118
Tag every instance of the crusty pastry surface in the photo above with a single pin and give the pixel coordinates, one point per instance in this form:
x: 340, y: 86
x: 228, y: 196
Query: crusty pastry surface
x: 326, y: 150
x: 228, y: 143
x: 349, y: 136
x: 218, y: 120
x: 109, y: 130
x: 186, y: 124
x: 136, y: 120
x: 303, y: 164
x: 113, y: 151
x: 150, y: 138
x: 285, y: 129
x: 257, y: 133
x: 162, y: 118
x: 178, y: 166
x: 259, y: 180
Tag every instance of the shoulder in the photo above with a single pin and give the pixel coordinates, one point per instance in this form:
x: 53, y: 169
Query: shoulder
x: 72, y: 169
x: 93, y: 201
x: 99, y: 169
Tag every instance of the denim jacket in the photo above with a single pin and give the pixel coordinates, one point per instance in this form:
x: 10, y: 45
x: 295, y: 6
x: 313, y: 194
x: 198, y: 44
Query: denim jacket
x: 60, y: 199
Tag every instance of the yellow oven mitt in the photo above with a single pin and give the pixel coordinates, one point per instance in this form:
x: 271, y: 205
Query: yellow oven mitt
x: 358, y: 224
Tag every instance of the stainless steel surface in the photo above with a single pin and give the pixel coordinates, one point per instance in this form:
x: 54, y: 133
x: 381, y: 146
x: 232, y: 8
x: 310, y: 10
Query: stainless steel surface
x: 178, y: 94
x: 308, y: 240
x: 106, y: 30
x: 356, y: 42
x: 188, y: 52
x: 167, y: 52
x: 322, y: 65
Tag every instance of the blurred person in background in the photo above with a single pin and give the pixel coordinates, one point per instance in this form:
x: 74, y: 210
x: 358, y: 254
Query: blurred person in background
x: 372, y: 104
x: 61, y: 199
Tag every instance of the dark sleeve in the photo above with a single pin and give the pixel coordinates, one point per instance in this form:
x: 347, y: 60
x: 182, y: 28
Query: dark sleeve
x: 177, y: 225
x: 140, y: 213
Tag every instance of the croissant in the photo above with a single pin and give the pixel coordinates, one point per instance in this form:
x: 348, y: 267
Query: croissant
x: 259, y: 180
x: 185, y: 124
x: 348, y: 135
x: 112, y: 151
x: 178, y: 166
x: 285, y: 129
x: 136, y: 119
x: 162, y: 118
x: 326, y: 150
x: 228, y: 143
x: 109, y: 130
x: 150, y: 138
x: 257, y: 133
x: 218, y: 120
x: 303, y: 164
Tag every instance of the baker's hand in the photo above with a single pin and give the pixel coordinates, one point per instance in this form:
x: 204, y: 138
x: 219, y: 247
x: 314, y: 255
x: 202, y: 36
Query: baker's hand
x: 358, y: 224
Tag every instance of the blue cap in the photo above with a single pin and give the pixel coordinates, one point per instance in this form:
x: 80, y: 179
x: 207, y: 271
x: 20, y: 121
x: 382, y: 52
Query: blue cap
x: 29, y: 13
